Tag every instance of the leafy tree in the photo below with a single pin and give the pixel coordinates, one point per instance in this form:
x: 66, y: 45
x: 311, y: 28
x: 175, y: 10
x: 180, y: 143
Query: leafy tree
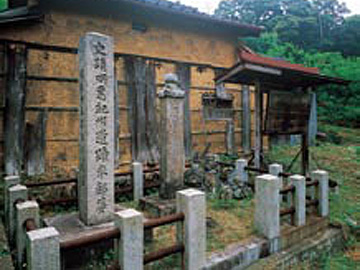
x: 347, y: 36
x: 306, y: 23
x: 3, y: 4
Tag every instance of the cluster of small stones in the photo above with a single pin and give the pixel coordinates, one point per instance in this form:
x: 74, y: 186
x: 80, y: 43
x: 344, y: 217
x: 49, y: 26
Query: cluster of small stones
x: 208, y: 175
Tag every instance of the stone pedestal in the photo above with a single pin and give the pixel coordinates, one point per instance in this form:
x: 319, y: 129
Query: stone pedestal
x: 172, y: 159
x: 43, y: 249
x: 96, y: 174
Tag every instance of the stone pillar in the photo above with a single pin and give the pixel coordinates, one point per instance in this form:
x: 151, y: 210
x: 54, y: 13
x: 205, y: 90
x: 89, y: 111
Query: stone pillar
x: 25, y: 210
x: 9, y: 181
x: 322, y: 191
x: 240, y: 166
x: 267, y: 205
x: 172, y: 159
x: 246, y: 119
x: 138, y: 181
x: 192, y: 203
x: 230, y: 138
x: 43, y: 249
x: 96, y: 174
x: 299, y: 182
x: 276, y: 169
x: 131, y: 243
x: 16, y: 193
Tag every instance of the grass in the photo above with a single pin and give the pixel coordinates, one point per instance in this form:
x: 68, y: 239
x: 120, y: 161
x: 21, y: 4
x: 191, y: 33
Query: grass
x: 340, y: 156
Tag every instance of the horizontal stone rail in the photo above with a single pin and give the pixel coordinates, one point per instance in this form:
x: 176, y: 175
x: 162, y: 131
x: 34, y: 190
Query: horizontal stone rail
x: 39, y: 248
x: 300, y: 195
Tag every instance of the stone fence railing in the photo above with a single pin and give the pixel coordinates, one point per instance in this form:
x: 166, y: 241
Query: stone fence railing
x: 40, y: 248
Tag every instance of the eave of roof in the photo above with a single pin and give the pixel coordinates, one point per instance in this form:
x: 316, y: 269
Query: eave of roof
x: 275, y: 73
x: 20, y: 14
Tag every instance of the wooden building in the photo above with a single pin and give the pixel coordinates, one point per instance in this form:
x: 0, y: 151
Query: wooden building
x: 39, y: 77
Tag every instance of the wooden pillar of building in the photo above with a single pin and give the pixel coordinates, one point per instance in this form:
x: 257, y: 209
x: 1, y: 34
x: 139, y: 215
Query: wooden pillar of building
x: 14, y: 114
x: 183, y: 72
x: 258, y: 124
x: 246, y: 119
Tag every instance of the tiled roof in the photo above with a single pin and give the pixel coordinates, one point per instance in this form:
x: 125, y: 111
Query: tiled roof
x: 253, y: 58
x: 187, y: 10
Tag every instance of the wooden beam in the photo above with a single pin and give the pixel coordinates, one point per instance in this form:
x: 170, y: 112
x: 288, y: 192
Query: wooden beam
x: 184, y: 74
x: 258, y: 125
x: 14, y: 117
x: 35, y: 145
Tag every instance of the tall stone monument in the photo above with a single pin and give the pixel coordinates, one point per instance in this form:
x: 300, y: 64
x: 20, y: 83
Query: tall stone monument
x: 172, y: 159
x: 96, y: 175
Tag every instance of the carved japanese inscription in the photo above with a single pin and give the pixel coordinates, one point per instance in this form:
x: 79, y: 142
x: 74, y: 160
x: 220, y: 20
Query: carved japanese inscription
x: 96, y: 175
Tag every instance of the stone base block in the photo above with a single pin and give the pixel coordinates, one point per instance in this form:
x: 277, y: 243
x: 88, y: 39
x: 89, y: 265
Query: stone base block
x: 70, y: 227
x: 156, y: 207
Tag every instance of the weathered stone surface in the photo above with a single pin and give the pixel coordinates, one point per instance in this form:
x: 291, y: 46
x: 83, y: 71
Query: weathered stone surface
x: 138, y: 180
x: 9, y: 181
x: 300, y: 199
x: 17, y: 192
x: 172, y: 159
x: 43, y: 249
x: 96, y: 176
x: 323, y: 191
x: 267, y: 205
x: 192, y: 203
x: 131, y: 243
x: 24, y: 211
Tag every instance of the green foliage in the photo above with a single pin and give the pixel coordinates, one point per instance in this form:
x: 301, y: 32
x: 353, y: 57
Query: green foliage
x: 337, y: 104
x: 309, y: 24
x: 3, y: 4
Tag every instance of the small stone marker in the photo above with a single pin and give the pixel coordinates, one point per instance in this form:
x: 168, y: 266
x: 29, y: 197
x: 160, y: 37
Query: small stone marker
x: 172, y: 159
x: 192, y: 203
x: 43, y: 249
x: 16, y: 193
x: 267, y: 205
x: 24, y: 211
x: 138, y: 181
x: 299, y: 183
x: 96, y: 176
x: 131, y: 243
x: 230, y: 137
x: 322, y: 191
x: 9, y: 181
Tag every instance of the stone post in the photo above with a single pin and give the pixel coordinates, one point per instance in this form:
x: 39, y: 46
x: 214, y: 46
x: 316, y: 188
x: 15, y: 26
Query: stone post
x: 230, y: 138
x: 172, y: 159
x: 299, y: 182
x: 97, y: 143
x: 16, y: 193
x: 138, y: 181
x: 131, y: 243
x: 192, y: 203
x: 240, y: 166
x: 275, y: 169
x: 267, y: 206
x: 9, y: 181
x: 25, y: 210
x: 322, y: 191
x: 43, y: 249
